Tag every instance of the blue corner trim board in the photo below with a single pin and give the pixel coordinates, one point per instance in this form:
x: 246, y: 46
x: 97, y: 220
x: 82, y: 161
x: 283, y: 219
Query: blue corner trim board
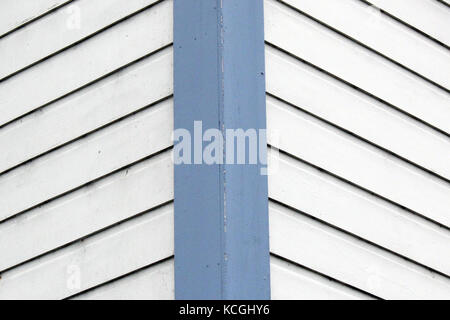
x: 221, y: 209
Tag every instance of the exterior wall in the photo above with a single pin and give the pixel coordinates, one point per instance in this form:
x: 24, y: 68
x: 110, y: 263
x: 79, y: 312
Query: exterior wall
x: 359, y: 205
x: 359, y: 192
x: 86, y: 179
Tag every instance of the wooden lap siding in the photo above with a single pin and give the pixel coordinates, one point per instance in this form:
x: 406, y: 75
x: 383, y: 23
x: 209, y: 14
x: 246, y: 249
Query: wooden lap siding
x: 86, y: 177
x: 358, y: 98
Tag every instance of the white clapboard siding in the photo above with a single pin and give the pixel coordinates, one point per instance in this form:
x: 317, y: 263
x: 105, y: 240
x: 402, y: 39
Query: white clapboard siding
x: 154, y: 283
x: 90, y: 209
x: 363, y: 68
x: 382, y: 33
x: 428, y: 16
x: 116, y: 96
x: 350, y: 158
x: 322, y: 196
x: 86, y: 62
x: 87, y: 159
x: 27, y: 45
x: 15, y: 13
x: 103, y: 257
x: 332, y: 100
x: 347, y: 259
x: 290, y: 282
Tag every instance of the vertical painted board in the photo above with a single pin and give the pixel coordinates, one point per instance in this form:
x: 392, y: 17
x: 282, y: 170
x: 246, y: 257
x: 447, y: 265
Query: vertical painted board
x: 221, y: 210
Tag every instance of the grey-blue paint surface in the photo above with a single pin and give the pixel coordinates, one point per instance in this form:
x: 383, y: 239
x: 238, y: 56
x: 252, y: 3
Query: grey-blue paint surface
x: 221, y: 211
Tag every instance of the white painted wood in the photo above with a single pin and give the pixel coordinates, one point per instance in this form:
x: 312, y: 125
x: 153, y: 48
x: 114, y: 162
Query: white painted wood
x: 87, y: 159
x: 14, y: 13
x: 110, y: 254
x: 77, y: 114
x: 348, y: 157
x: 429, y: 16
x: 154, y: 283
x: 322, y: 196
x: 86, y: 62
x: 342, y: 257
x: 346, y: 59
x: 330, y: 99
x: 90, y: 209
x: 290, y: 282
x: 382, y: 33
x: 61, y: 29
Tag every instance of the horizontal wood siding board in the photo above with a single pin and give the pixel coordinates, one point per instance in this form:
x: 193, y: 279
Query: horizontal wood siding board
x: 428, y: 16
x: 88, y: 210
x: 152, y: 283
x: 27, y: 46
x: 290, y: 282
x: 331, y: 149
x: 326, y: 97
x: 90, y: 158
x: 316, y: 193
x: 317, y: 44
x: 116, y: 96
x: 72, y: 69
x: 96, y: 260
x: 349, y: 260
x: 16, y: 13
x: 383, y: 34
